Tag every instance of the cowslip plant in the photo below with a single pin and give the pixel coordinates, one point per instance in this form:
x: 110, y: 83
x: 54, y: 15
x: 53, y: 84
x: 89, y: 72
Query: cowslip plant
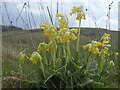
x: 100, y: 49
x: 58, y: 60
x: 100, y: 53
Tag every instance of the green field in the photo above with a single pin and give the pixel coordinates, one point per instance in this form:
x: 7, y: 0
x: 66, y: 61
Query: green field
x: 14, y: 41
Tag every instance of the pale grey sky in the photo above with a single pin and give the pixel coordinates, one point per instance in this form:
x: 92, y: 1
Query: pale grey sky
x: 119, y: 15
x: 97, y: 12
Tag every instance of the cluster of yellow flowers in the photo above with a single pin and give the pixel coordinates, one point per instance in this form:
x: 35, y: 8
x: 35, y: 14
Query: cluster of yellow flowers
x: 50, y: 31
x: 60, y: 36
x: 34, y: 57
x: 62, y: 20
x: 79, y: 11
x: 99, y: 48
x: 43, y: 47
x: 67, y: 35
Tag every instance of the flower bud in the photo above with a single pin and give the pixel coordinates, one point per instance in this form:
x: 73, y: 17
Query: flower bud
x: 42, y: 47
x: 22, y: 57
x: 35, y: 57
x: 112, y: 63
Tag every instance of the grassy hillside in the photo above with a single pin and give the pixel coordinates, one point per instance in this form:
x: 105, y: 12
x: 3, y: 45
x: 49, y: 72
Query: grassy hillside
x: 97, y: 33
x: 16, y: 40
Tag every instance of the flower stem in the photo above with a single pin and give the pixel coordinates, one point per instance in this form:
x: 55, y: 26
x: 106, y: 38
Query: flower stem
x: 46, y: 62
x: 78, y: 37
x: 102, y: 65
x: 68, y: 56
x: 54, y: 58
x: 87, y: 63
x: 42, y: 68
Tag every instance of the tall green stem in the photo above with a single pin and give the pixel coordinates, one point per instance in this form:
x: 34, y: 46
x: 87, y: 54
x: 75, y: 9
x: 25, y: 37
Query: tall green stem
x: 102, y: 65
x: 53, y: 53
x: 54, y: 59
x: 78, y: 37
x: 46, y: 62
x: 42, y: 68
x: 87, y: 63
x: 68, y: 55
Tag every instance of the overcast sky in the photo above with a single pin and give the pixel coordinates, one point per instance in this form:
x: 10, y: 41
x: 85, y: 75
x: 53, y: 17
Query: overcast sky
x: 119, y: 16
x: 96, y: 12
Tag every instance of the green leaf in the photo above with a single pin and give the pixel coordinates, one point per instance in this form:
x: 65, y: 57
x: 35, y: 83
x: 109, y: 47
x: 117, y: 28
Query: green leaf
x: 86, y: 82
x: 98, y: 85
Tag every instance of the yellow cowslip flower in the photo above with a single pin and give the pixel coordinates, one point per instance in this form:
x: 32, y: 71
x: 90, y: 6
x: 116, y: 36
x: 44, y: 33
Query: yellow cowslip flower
x: 44, y: 25
x: 42, y: 47
x: 58, y: 15
x: 50, y: 31
x: 92, y: 47
x: 35, y: 57
x: 95, y: 51
x: 80, y: 15
x: 76, y: 9
x: 74, y: 30
x: 93, y: 42
x: 106, y: 53
x: 62, y: 25
x: 79, y: 11
x: 58, y: 39
x: 105, y: 34
x: 99, y: 44
x: 106, y: 41
x: 67, y: 36
x: 22, y: 57
x: 61, y: 30
x: 65, y: 40
x: 73, y: 37
x: 88, y: 46
x: 90, y: 50
x: 105, y: 49
x: 106, y: 38
x: 68, y: 41
x: 50, y: 36
x: 84, y: 46
x: 62, y: 21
